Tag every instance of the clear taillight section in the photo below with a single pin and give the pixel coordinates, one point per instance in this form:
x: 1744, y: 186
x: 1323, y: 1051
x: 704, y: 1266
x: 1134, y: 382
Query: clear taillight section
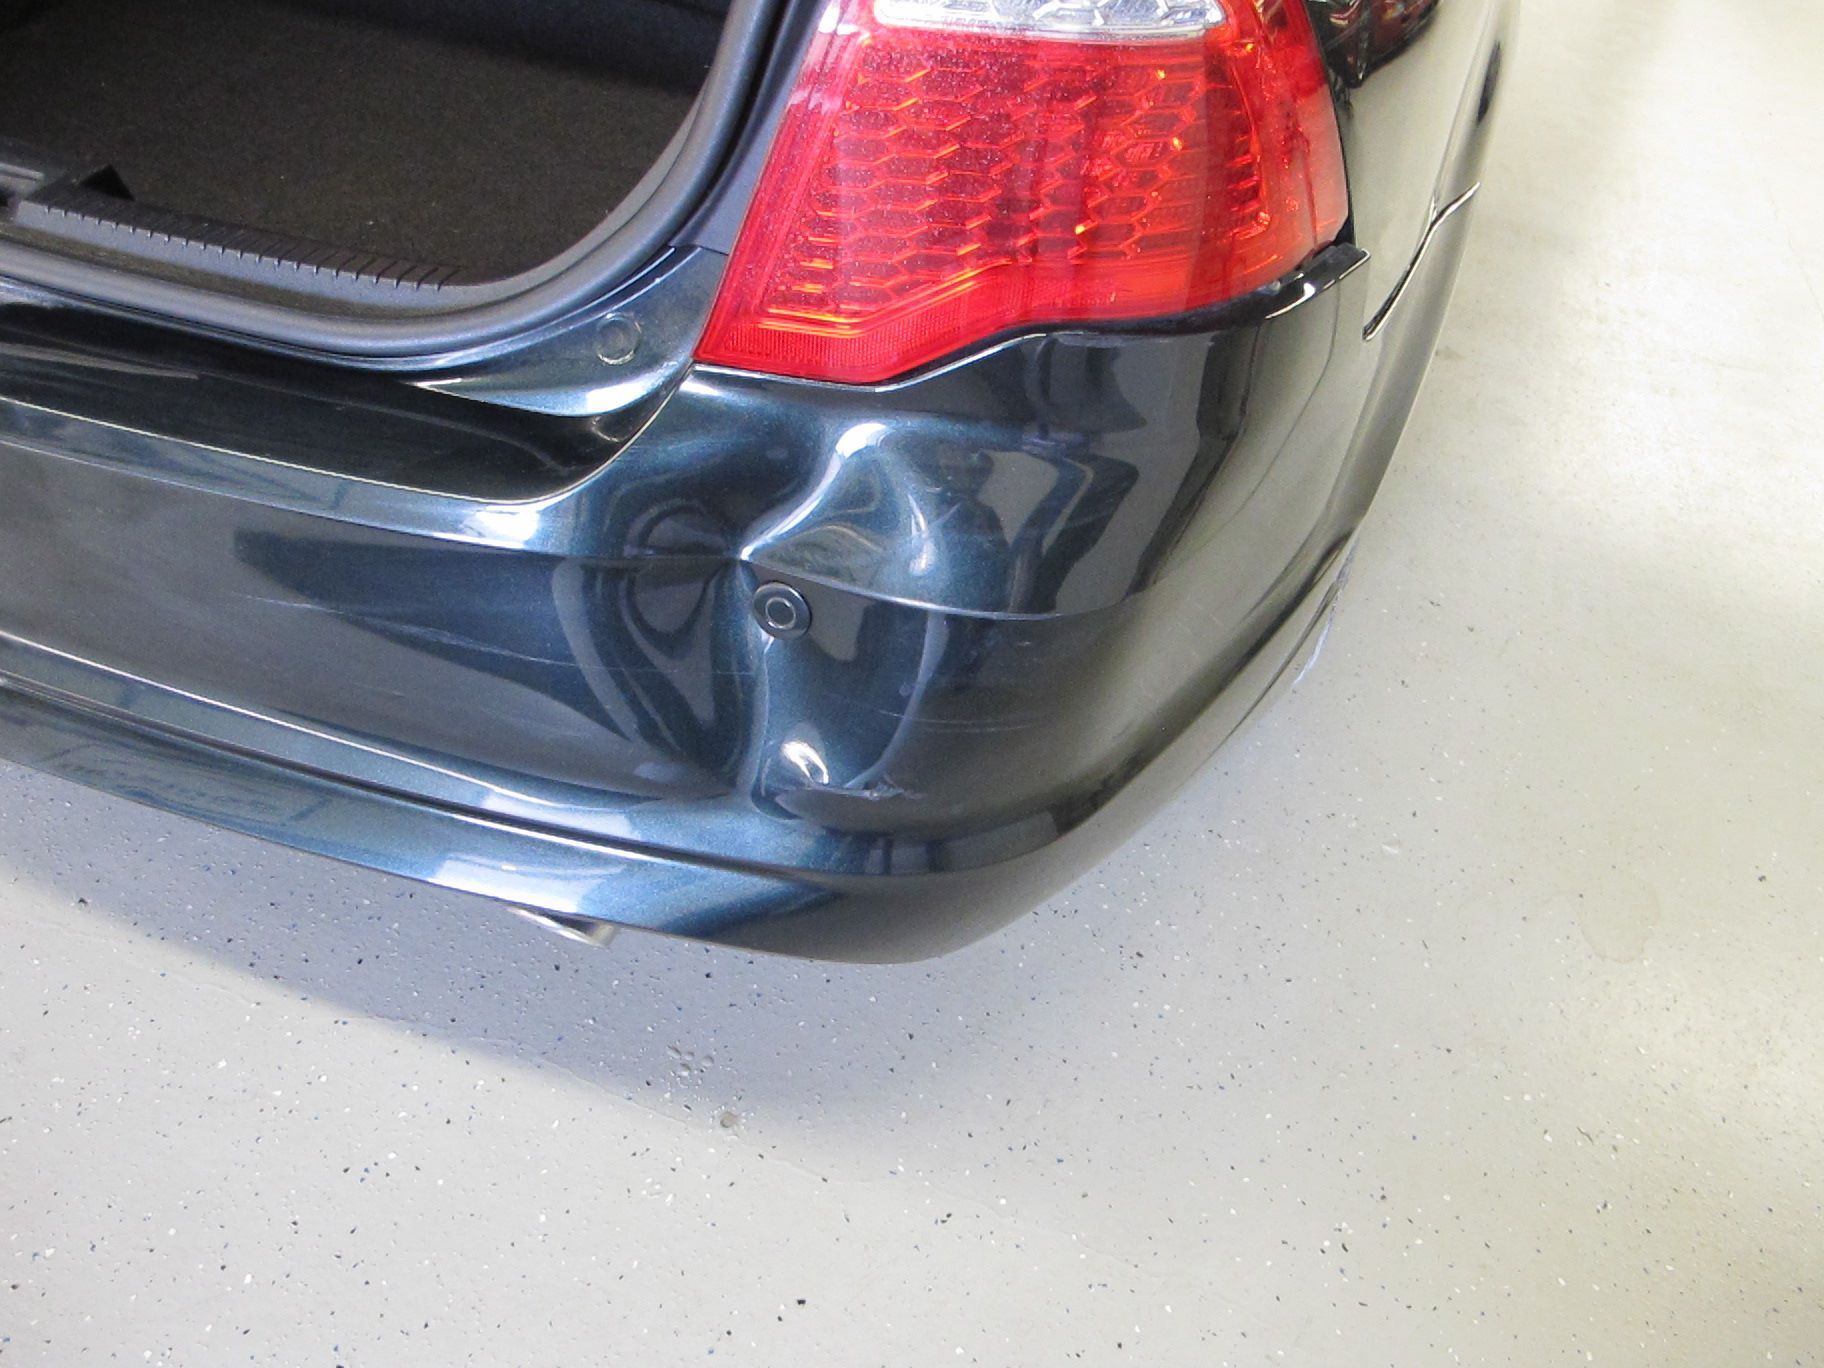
x: 951, y: 169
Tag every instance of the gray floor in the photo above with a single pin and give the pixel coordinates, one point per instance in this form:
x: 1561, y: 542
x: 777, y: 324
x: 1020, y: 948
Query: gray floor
x: 1470, y: 1009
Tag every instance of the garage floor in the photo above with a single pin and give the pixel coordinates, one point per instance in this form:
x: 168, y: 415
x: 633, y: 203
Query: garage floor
x: 1470, y: 1009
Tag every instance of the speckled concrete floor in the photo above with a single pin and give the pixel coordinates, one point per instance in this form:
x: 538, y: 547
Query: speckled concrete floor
x: 1469, y: 1009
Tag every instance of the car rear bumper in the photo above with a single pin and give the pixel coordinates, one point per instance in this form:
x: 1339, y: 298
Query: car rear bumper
x: 98, y: 730
x: 1044, y: 583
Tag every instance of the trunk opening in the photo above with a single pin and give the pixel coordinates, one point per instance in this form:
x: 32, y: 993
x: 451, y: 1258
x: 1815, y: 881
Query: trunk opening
x: 373, y: 153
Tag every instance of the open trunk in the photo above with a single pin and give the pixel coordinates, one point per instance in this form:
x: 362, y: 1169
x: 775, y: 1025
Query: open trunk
x: 389, y: 148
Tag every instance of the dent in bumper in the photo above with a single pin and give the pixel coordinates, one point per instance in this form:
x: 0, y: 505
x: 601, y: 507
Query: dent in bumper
x: 1041, y: 572
x: 82, y: 722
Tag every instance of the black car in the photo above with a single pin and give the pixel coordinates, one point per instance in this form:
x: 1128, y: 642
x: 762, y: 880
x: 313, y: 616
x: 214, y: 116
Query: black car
x: 809, y: 477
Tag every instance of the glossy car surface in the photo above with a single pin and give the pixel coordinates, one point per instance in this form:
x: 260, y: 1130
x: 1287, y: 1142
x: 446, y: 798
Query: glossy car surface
x: 488, y: 619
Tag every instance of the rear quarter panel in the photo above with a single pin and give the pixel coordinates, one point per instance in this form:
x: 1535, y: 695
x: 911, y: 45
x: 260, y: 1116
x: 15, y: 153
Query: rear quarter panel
x: 1415, y: 86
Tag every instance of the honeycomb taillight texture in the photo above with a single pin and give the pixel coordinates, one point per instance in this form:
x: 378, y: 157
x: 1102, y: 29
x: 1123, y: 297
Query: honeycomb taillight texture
x: 930, y: 188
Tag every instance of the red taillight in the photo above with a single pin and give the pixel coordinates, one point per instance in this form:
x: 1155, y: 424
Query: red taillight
x: 944, y: 173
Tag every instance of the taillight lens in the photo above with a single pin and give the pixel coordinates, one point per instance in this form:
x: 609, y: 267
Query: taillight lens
x: 950, y: 169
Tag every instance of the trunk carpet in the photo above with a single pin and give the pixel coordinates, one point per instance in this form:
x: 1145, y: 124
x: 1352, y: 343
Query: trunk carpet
x: 332, y: 129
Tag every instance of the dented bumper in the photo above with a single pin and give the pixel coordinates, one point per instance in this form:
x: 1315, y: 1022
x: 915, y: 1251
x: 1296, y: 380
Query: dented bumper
x: 518, y: 657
